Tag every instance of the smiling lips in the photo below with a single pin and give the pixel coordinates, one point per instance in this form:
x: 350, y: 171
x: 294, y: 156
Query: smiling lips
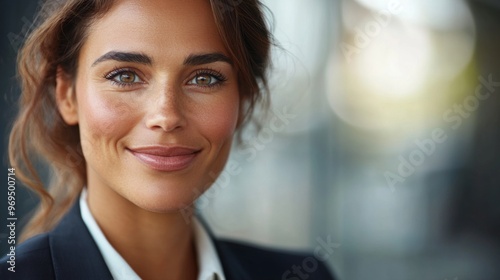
x: 165, y: 158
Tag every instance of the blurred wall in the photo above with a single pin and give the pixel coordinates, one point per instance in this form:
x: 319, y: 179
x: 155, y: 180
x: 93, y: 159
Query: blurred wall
x: 15, y: 20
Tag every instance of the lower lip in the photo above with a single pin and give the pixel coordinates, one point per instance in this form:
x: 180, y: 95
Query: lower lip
x: 163, y: 163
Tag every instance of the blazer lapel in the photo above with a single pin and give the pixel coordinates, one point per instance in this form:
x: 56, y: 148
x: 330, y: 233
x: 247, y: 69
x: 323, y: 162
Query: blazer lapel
x: 232, y: 267
x: 74, y: 252
x: 230, y: 264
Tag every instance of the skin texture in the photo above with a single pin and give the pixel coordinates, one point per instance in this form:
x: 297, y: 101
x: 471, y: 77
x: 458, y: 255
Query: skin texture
x: 162, y: 103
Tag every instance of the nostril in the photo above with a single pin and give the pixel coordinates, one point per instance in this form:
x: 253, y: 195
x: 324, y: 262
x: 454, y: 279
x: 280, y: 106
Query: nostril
x: 167, y: 110
x: 166, y: 119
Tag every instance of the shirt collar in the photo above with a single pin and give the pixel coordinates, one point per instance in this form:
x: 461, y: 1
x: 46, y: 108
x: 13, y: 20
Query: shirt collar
x: 209, y: 265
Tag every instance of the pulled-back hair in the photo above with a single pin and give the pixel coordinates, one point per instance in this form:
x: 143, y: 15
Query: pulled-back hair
x: 39, y: 132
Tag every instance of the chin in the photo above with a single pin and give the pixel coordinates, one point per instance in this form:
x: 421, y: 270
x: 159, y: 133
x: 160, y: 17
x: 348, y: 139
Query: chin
x: 165, y: 199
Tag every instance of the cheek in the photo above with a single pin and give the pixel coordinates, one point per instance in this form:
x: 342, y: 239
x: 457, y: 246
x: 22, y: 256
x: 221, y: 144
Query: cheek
x: 219, y: 120
x: 103, y: 119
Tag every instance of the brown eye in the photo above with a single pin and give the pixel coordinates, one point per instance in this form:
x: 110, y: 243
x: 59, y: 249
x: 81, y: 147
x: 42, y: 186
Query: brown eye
x: 203, y: 80
x: 207, y: 79
x: 127, y: 77
x: 124, y: 77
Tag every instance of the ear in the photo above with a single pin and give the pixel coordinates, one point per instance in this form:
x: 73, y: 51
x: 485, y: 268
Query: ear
x: 66, y: 98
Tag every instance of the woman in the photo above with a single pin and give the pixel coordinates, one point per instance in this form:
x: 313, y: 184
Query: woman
x: 134, y: 105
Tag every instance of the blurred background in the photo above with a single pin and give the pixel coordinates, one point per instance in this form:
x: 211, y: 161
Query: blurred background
x: 382, y: 138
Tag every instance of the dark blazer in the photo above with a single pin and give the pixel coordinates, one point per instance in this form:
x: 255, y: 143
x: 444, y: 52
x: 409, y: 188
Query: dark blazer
x: 69, y: 252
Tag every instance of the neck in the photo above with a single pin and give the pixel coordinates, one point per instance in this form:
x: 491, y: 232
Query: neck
x: 155, y: 245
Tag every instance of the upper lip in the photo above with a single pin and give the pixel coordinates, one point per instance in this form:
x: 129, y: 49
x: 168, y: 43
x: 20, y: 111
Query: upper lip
x: 165, y: 151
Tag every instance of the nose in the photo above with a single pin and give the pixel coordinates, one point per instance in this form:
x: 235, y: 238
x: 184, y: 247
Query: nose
x: 167, y: 111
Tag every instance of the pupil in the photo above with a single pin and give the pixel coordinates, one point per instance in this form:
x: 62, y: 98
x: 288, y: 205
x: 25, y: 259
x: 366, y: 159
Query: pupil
x: 203, y: 80
x: 127, y: 78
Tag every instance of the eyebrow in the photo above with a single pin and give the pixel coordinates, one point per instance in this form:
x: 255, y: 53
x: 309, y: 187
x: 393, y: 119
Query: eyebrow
x: 124, y: 57
x: 192, y: 59
x: 205, y: 58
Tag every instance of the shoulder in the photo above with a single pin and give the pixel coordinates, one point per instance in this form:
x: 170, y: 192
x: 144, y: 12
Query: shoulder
x: 267, y: 263
x: 30, y: 260
x: 66, y: 252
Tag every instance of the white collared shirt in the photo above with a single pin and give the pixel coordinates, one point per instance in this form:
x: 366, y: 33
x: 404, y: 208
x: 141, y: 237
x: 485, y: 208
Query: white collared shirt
x: 209, y: 265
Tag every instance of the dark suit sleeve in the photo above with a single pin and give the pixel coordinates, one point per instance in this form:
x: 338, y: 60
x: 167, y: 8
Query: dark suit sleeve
x: 32, y: 261
x: 269, y: 264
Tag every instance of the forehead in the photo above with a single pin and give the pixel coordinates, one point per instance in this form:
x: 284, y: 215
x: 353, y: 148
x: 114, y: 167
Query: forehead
x: 164, y: 29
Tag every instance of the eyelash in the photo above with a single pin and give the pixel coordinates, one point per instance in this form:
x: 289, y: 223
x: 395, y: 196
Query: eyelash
x: 215, y: 74
x: 117, y: 71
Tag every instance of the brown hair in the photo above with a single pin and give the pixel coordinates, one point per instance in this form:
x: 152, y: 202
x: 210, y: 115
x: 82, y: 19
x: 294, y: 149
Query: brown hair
x: 39, y: 131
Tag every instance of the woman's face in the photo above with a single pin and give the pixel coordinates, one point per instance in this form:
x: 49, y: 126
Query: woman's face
x: 157, y: 102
